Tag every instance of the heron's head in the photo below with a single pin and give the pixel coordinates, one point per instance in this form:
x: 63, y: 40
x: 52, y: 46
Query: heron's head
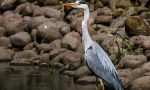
x: 79, y: 4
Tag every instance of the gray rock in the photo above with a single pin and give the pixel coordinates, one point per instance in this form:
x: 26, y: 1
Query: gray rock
x: 103, y: 19
x: 56, y: 44
x: 7, y: 4
x: 20, y: 39
x: 3, y: 32
x: 56, y: 52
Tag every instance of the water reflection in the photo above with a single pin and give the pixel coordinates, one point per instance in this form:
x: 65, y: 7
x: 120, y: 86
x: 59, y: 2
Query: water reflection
x: 34, y: 78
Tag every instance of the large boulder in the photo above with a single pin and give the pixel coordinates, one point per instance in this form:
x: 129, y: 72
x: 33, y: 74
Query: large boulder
x: 132, y: 61
x: 20, y: 39
x: 135, y: 25
x: 6, y: 55
x: 71, y: 40
x: 141, y: 83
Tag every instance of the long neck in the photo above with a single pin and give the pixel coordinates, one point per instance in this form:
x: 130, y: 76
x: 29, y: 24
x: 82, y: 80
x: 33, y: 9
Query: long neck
x: 86, y: 39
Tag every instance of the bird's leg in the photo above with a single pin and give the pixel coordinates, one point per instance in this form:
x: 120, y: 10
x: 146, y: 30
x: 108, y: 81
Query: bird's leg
x: 102, y: 84
x: 96, y: 83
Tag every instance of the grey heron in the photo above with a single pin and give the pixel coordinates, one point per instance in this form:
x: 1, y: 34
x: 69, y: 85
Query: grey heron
x: 96, y: 58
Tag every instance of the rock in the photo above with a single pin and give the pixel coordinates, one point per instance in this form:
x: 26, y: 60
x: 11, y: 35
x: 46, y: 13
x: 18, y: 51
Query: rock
x: 36, y: 21
x: 145, y: 15
x: 56, y: 44
x: 104, y: 11
x: 87, y: 80
x: 6, y: 55
x: 26, y: 9
x: 5, y: 42
x: 44, y: 58
x: 141, y: 83
x: 48, y: 12
x: 7, y: 4
x: 135, y: 25
x: 140, y: 40
x: 47, y: 32
x: 80, y: 48
x: 49, y: 2
x: 20, y: 62
x: 139, y: 72
x: 13, y: 23
x: 20, y: 39
x: 3, y: 32
x: 132, y: 61
x: 26, y: 54
x: 103, y: 19
x: 123, y: 4
x: 71, y: 58
x: 43, y: 48
x: 118, y: 22
x: 80, y: 72
x: 117, y: 12
x: 29, y: 46
x: 56, y: 52
x: 58, y: 65
x: 64, y: 30
x: 71, y: 40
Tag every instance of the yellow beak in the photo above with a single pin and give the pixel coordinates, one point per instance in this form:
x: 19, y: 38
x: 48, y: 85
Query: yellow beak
x: 69, y: 4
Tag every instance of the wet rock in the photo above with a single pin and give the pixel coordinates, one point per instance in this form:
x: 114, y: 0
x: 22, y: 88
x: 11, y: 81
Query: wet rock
x: 20, y: 39
x: 47, y: 32
x: 25, y: 9
x: 104, y: 11
x: 7, y: 4
x: 48, y: 12
x: 103, y: 19
x: 71, y: 40
x: 13, y: 23
x: 87, y: 80
x: 56, y: 44
x: 141, y: 83
x: 132, y: 61
x: 6, y: 55
x: 36, y: 21
x: 55, y: 52
x: 5, y: 42
x: 135, y: 25
x: 3, y: 32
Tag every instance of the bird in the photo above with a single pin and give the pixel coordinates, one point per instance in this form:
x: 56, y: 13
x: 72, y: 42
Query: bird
x: 96, y: 58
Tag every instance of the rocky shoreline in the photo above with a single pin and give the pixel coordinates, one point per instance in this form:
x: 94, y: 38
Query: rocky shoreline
x: 40, y: 32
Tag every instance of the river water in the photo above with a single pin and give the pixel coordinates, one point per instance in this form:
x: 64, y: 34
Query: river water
x: 35, y: 78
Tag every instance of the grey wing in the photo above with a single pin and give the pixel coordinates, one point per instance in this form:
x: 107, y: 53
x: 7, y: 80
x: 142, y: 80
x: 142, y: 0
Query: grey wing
x: 99, y: 62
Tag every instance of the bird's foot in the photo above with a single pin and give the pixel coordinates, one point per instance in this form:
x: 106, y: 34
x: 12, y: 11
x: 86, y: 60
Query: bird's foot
x: 102, y: 84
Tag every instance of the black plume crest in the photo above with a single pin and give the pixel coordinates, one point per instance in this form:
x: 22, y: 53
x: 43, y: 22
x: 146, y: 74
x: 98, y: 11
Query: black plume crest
x: 82, y: 1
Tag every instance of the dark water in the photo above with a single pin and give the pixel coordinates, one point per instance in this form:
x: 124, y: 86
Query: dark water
x: 34, y: 78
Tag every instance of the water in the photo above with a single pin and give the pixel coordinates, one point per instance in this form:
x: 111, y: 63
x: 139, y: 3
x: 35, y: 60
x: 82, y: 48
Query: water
x: 34, y: 78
